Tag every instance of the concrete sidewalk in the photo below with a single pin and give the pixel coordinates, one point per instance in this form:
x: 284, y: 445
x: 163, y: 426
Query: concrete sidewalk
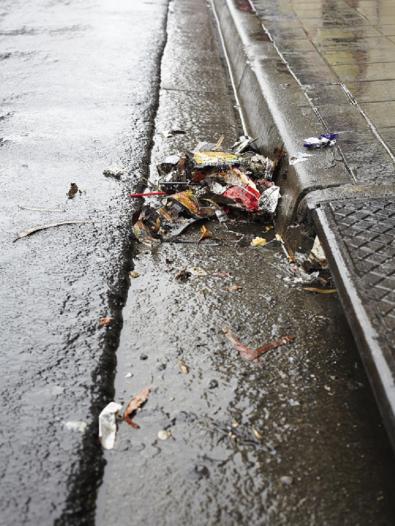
x: 339, y: 48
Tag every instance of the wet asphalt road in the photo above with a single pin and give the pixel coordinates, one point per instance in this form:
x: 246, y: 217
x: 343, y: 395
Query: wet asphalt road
x: 81, y: 93
x: 78, y: 93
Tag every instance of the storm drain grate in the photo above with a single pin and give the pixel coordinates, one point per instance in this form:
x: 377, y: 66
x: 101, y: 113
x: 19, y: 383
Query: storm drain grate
x: 367, y: 229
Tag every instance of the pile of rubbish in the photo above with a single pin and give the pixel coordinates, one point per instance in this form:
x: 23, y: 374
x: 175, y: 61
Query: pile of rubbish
x: 207, y: 183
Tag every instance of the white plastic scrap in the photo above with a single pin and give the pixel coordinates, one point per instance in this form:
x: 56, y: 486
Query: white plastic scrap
x: 317, y: 254
x: 108, y: 424
x: 269, y: 199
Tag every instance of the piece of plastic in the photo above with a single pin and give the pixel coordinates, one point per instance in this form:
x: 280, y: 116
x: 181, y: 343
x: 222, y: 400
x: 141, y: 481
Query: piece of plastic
x: 269, y: 199
x: 323, y: 141
x: 212, y: 159
x: 108, y: 425
x: 245, y: 195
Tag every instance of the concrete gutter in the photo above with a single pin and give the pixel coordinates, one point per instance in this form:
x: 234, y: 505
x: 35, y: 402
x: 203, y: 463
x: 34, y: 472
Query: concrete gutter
x: 274, y: 106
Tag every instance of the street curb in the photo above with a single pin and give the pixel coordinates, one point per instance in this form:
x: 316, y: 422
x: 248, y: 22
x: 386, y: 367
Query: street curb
x: 274, y: 108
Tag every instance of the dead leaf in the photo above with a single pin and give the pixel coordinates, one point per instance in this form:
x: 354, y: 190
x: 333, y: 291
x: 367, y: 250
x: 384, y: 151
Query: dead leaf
x: 189, y: 201
x: 252, y: 354
x: 184, y: 369
x: 73, y: 190
x: 135, y: 403
x: 31, y: 231
x: 272, y: 345
x: 246, y: 352
x: 320, y: 291
x: 134, y: 274
x: 205, y: 233
x: 106, y: 321
x: 259, y: 242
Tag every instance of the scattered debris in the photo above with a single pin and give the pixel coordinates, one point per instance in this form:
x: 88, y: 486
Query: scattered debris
x: 60, y: 210
x: 35, y: 229
x: 213, y: 384
x: 207, y: 184
x: 106, y: 321
x: 197, y: 271
x: 114, y: 172
x: 163, y: 434
x: 108, y: 424
x: 76, y: 425
x: 253, y: 354
x: 183, y: 275
x: 257, y: 434
x: 259, y: 242
x: 134, y: 274
x: 243, y: 144
x: 233, y: 288
x: 184, y: 369
x: 73, y: 190
x: 323, y: 141
x: 147, y: 194
x: 235, y: 423
x: 287, y: 251
x: 320, y: 291
x: 269, y: 199
x: 136, y: 403
x: 170, y: 133
x: 317, y: 255
x: 205, y: 233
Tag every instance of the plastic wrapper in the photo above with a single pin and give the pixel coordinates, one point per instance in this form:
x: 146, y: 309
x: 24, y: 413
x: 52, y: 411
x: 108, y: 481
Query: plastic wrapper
x: 269, y: 199
x: 323, y: 141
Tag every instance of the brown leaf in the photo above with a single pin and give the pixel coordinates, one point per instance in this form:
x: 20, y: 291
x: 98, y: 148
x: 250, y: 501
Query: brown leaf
x: 252, y: 354
x: 72, y: 190
x: 205, y: 233
x: 246, y: 352
x: 135, y: 403
x: 106, y: 321
x: 273, y: 345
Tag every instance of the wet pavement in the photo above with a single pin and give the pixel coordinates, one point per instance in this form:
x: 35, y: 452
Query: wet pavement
x: 297, y: 434
x: 343, y: 54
